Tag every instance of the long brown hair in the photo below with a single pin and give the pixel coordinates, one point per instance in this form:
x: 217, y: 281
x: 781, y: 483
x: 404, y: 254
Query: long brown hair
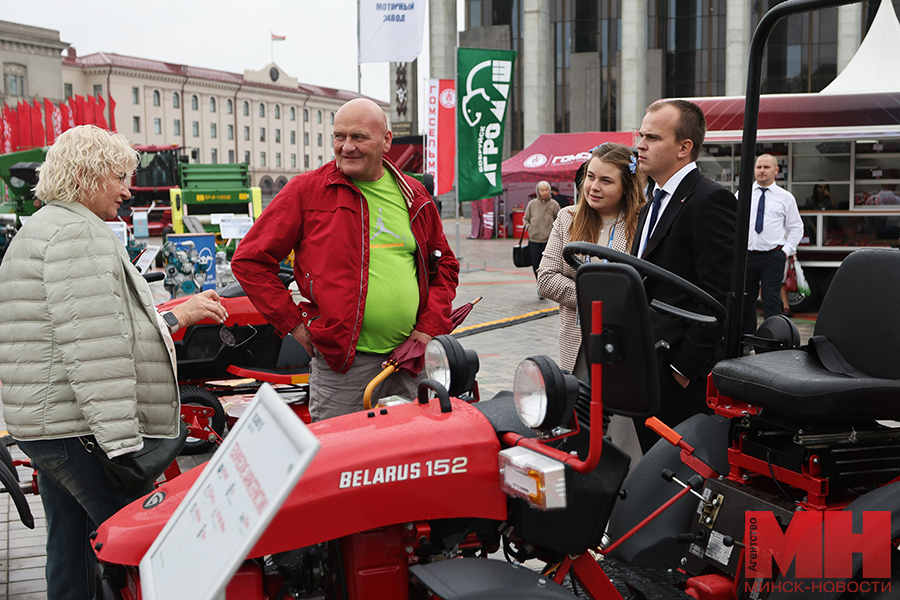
x: 586, y: 224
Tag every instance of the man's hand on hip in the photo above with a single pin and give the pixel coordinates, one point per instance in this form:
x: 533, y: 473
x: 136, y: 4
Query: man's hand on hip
x: 302, y: 335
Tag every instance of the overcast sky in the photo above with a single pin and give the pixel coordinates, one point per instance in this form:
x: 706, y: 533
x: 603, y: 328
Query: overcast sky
x: 230, y: 35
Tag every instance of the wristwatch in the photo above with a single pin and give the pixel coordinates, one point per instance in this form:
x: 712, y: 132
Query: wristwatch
x: 171, y: 320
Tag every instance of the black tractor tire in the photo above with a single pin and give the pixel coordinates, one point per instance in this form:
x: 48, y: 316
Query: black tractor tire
x: 191, y: 394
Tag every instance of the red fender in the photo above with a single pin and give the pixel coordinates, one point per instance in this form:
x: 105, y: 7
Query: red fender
x: 411, y: 464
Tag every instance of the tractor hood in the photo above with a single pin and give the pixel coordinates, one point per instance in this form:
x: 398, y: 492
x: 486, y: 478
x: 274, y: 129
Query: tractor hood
x: 411, y: 463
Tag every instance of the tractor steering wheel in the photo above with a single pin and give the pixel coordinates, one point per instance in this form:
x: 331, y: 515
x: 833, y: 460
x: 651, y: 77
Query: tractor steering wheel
x: 657, y: 273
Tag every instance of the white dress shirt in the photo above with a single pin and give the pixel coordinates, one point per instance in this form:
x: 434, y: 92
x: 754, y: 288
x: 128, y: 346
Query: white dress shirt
x: 782, y: 225
x: 669, y: 188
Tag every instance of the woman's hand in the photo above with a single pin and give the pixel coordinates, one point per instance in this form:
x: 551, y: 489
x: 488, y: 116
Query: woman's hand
x: 205, y: 305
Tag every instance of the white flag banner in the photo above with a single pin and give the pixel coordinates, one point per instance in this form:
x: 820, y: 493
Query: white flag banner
x: 390, y: 31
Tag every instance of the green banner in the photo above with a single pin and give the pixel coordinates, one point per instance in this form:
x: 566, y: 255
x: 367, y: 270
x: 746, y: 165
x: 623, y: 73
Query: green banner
x: 483, y: 84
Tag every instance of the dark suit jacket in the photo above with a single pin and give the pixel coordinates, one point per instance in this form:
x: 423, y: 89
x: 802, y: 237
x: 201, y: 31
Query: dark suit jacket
x: 694, y: 238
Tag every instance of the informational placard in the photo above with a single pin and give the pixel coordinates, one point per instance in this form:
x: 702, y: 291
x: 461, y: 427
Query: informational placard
x: 120, y: 229
x: 216, y: 218
x: 231, y: 503
x: 235, y: 228
x: 146, y: 258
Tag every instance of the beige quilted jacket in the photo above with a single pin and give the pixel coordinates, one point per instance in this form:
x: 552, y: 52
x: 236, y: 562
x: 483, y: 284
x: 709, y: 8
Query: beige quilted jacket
x: 81, y: 349
x: 556, y: 281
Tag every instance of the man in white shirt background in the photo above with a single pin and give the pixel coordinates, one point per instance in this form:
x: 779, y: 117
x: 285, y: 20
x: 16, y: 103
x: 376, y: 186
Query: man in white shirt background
x: 775, y: 232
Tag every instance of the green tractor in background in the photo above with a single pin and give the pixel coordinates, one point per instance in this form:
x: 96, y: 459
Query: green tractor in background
x: 18, y: 170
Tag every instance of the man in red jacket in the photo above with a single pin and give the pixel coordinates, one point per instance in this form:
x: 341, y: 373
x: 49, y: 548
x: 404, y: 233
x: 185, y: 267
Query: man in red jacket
x: 370, y: 258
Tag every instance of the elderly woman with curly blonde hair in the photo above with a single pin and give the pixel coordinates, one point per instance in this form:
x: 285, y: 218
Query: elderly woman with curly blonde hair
x: 84, y: 356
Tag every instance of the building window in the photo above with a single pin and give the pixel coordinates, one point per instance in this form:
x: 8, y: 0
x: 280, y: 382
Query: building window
x: 306, y: 138
x: 293, y: 137
x: 247, y: 157
x: 213, y: 132
x: 157, y: 126
x: 306, y: 161
x: 177, y: 127
x: 195, y: 102
x: 67, y: 90
x: 262, y: 109
x: 247, y: 113
x: 262, y: 159
x: 246, y: 133
x: 155, y: 97
x: 277, y: 111
x: 278, y: 159
x: 229, y: 106
x: 320, y: 160
x: 195, y: 126
x: 277, y: 136
x: 98, y: 90
x: 319, y: 140
x: 212, y: 105
x: 318, y: 116
x: 293, y: 114
x: 176, y: 100
x: 214, y: 155
x: 230, y: 132
x: 136, y: 124
x: 331, y: 118
x: 135, y: 96
x: 262, y: 134
x: 293, y: 161
x: 231, y: 157
x: 306, y: 115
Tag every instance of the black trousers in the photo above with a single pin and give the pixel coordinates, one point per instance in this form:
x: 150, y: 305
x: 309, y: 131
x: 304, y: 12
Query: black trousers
x: 675, y: 405
x: 765, y: 271
x: 537, y: 252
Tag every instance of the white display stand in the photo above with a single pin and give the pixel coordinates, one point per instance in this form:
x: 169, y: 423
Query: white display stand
x: 231, y: 503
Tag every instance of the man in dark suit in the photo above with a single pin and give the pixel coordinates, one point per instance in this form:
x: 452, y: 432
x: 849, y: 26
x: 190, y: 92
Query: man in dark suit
x: 686, y: 227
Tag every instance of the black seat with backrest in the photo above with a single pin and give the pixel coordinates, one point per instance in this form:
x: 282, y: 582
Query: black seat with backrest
x: 857, y: 335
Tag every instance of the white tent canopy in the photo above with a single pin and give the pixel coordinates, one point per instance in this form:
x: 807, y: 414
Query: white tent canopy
x: 872, y: 67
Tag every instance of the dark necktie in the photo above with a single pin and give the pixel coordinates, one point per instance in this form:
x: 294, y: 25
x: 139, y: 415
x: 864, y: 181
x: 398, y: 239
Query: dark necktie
x: 654, y: 210
x: 761, y: 210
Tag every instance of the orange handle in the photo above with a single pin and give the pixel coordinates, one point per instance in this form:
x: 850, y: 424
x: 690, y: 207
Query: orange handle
x: 664, y: 431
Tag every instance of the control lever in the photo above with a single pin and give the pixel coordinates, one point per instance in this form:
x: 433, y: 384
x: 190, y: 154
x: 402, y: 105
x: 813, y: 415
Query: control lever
x: 694, y: 483
x: 730, y: 541
x: 687, y: 538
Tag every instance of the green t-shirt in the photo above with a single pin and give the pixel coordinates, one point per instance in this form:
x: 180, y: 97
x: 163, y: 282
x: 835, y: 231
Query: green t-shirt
x: 392, y: 300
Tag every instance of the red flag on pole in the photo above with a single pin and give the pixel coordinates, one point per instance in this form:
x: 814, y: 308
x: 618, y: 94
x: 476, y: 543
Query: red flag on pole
x: 50, y: 127
x: 67, y: 120
x: 2, y: 132
x: 112, y: 114
x: 80, y: 110
x: 99, y: 119
x: 23, y: 117
x: 38, y: 138
x: 440, y: 148
x: 90, y: 116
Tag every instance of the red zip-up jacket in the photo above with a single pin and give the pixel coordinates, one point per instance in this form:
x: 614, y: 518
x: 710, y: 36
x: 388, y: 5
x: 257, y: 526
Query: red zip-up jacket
x: 324, y: 219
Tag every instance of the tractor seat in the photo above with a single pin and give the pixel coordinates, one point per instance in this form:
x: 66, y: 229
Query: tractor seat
x: 793, y: 383
x: 857, y: 336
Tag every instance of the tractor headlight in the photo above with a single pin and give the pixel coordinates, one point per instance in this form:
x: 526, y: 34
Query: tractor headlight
x: 448, y: 363
x: 545, y: 396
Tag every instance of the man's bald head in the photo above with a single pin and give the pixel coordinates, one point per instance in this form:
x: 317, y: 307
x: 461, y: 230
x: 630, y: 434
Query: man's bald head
x: 361, y: 137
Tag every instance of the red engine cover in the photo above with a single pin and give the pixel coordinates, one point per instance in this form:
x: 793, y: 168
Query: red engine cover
x: 240, y: 312
x: 411, y: 464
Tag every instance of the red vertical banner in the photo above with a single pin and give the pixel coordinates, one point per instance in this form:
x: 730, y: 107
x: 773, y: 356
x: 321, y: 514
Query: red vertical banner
x: 2, y: 134
x: 38, y: 138
x: 99, y: 118
x: 80, y: 109
x: 49, y: 123
x: 112, y: 114
x: 67, y: 119
x: 440, y: 147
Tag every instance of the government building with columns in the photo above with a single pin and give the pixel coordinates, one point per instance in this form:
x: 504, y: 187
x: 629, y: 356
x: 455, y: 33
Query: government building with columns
x: 594, y: 65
